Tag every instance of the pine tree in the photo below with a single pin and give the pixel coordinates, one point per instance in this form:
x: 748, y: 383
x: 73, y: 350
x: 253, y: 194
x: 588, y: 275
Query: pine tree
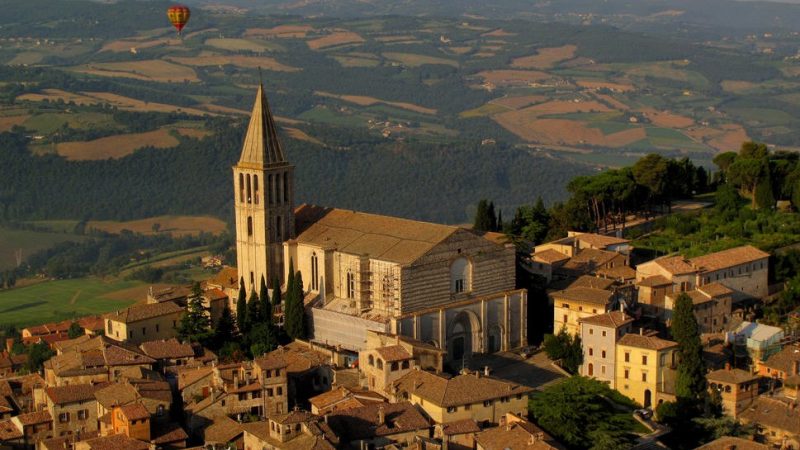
x: 195, y: 324
x: 294, y: 313
x: 764, y: 198
x: 75, y: 331
x: 482, y: 220
x: 690, y: 383
x: 265, y: 309
x: 276, y: 299
x: 241, y: 309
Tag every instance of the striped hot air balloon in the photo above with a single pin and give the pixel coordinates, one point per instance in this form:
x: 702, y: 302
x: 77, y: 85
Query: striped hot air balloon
x: 178, y: 15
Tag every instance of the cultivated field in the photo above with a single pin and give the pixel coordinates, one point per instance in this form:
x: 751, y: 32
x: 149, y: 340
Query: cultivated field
x: 115, y: 146
x: 545, y: 58
x: 175, y: 225
x: 300, y: 135
x: 150, y: 70
x: 368, y: 101
x: 247, y: 62
x: 513, y: 77
x: 63, y: 299
x: 281, y: 31
x: 29, y: 242
x: 335, y: 39
x: 119, y: 101
x: 414, y: 60
x: 8, y: 122
x: 236, y: 45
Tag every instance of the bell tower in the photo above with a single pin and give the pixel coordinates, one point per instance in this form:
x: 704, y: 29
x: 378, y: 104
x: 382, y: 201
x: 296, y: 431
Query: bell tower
x: 263, y: 183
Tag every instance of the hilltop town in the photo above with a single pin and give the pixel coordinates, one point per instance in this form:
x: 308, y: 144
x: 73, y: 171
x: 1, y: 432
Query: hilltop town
x: 343, y: 329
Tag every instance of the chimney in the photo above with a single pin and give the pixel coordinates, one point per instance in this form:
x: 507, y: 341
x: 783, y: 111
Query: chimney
x: 381, y: 415
x: 641, y: 331
x: 486, y: 371
x: 727, y: 366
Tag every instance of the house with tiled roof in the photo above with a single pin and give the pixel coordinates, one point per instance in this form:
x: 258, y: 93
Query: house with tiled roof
x: 297, y: 430
x: 73, y: 408
x: 743, y: 270
x: 515, y: 433
x: 93, y: 360
x: 646, y: 368
x: 144, y: 322
x: 309, y: 369
x: 587, y: 296
x: 380, y: 424
x: 168, y: 353
x: 599, y: 336
x: 112, y: 442
x: 11, y: 364
x: 387, y: 357
x: 777, y: 421
x: 782, y: 364
x: 469, y: 395
x: 341, y: 398
x: 712, y: 306
x: 733, y: 443
x: 34, y: 426
x: 737, y: 388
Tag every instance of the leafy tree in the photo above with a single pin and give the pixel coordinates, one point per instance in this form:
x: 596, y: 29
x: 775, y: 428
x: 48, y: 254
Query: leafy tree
x: 37, y: 354
x: 566, y: 348
x: 690, y: 383
x: 195, y: 324
x: 651, y: 172
x: 241, y: 308
x: 578, y: 413
x: 727, y: 202
x: 763, y: 196
x: 265, y: 308
x: 724, y: 161
x: 225, y: 329
x: 75, y: 330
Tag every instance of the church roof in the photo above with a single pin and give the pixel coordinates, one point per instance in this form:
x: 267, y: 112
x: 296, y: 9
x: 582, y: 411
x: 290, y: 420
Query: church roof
x: 261, y: 146
x: 385, y: 238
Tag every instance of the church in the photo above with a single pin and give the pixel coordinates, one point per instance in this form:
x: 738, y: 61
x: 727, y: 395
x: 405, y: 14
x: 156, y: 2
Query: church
x: 443, y: 285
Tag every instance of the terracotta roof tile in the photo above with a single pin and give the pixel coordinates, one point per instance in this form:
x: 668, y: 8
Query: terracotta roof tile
x: 654, y: 281
x: 34, y: 418
x: 599, y: 240
x: 590, y: 281
x: 9, y: 431
x: 167, y: 349
x: 735, y: 376
x: 73, y: 393
x: 167, y: 433
x: 393, y: 353
x: 135, y: 411
x: 675, y: 265
x: 514, y: 436
x: 785, y: 360
x: 364, y: 422
x: 647, y: 342
x: 617, y: 273
x: 143, y: 312
x: 613, y: 319
x: 460, y: 427
x: 728, y: 258
x: 774, y: 414
x: 585, y: 294
x: 462, y: 389
x: 222, y: 430
x: 549, y: 256
x: 116, y: 442
x: 733, y: 443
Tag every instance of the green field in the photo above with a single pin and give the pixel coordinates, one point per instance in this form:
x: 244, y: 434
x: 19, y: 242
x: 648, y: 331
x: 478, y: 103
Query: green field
x: 29, y: 242
x: 63, y: 299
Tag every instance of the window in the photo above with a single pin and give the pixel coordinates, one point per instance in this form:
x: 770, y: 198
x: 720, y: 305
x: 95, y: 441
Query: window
x: 467, y: 407
x: 460, y: 272
x: 603, y: 370
x: 278, y: 189
x: 644, y: 360
x: 241, y: 188
x: 386, y: 287
x: 504, y: 399
x: 394, y: 367
x: 565, y: 318
x: 285, y: 188
x: 130, y: 334
x: 255, y: 188
x: 157, y: 328
x: 627, y: 357
x: 644, y: 376
x: 452, y: 409
x: 144, y: 331
x: 591, y: 330
x: 371, y: 360
x: 594, y: 311
x: 380, y: 363
x: 604, y: 333
x: 627, y: 373
x: 314, y: 272
x: 160, y: 410
x: 270, y: 392
x: 83, y: 414
x: 591, y: 351
x: 63, y: 417
x: 110, y: 327
x: 249, y: 225
x: 351, y: 285
x: 249, y: 191
x: 405, y: 365
x: 603, y: 354
x: 280, y: 391
x: 487, y: 403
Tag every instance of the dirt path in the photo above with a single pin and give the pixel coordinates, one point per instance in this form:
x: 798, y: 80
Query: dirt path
x: 75, y: 297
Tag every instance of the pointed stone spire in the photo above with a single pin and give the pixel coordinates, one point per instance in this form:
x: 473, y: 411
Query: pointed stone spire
x: 261, y: 145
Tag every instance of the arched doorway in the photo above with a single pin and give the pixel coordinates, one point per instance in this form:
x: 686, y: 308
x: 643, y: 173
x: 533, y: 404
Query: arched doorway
x: 590, y: 371
x: 463, y: 335
x: 648, y: 400
x: 495, y: 343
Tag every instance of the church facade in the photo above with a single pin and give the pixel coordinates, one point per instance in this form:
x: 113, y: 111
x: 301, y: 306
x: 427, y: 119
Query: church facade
x: 440, y: 284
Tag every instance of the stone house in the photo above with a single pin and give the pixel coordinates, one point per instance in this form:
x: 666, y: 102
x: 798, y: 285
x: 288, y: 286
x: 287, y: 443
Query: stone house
x: 515, y: 433
x: 73, y: 408
x: 341, y: 398
x: 712, y: 306
x: 646, y: 368
x: 142, y: 323
x: 599, y: 336
x: 296, y: 430
x: 90, y: 359
x: 737, y: 388
x: 575, y: 303
x: 389, y: 357
x: 34, y: 426
x: 379, y: 425
x: 733, y: 443
x: 777, y: 421
x: 470, y: 395
x: 781, y: 365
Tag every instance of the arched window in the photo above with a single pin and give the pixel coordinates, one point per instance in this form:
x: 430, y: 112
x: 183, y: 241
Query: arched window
x: 249, y: 225
x: 380, y: 363
x: 351, y: 285
x: 255, y: 188
x: 278, y: 189
x: 460, y: 274
x: 314, y: 272
x: 285, y: 188
x: 371, y: 360
x: 249, y: 191
x: 269, y: 189
x: 386, y: 287
x: 241, y: 187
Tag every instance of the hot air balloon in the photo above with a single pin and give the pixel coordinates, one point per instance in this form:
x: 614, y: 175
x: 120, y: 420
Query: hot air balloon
x: 178, y: 15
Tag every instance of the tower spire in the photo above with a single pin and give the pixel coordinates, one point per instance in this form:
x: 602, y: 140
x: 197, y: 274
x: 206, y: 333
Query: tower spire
x: 261, y: 147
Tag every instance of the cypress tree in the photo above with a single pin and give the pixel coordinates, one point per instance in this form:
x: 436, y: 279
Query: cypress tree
x: 276, y: 299
x: 294, y: 313
x: 500, y: 225
x: 253, y: 310
x: 289, y: 290
x: 241, y: 308
x: 265, y: 309
x: 195, y: 324
x: 690, y: 383
x: 225, y: 329
x: 482, y: 220
x: 492, y: 217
